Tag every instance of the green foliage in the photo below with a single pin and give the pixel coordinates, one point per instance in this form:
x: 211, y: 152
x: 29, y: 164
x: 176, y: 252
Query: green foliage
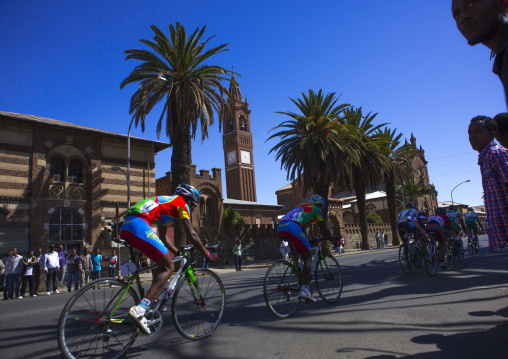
x: 374, y: 218
x: 232, y: 218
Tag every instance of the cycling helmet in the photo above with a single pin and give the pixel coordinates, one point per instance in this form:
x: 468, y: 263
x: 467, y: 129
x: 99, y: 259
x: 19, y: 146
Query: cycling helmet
x: 440, y: 210
x: 186, y: 190
x: 452, y: 207
x: 411, y: 205
x: 470, y: 209
x: 317, y: 200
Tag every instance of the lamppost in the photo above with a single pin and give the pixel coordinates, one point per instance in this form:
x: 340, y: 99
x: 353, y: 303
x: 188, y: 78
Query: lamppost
x: 456, y: 187
x: 127, y: 176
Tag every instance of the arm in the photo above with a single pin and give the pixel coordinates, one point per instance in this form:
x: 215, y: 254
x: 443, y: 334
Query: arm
x: 326, y: 232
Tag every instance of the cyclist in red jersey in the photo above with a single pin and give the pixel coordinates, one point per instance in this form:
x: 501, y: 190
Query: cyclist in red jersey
x: 136, y: 229
x: 440, y: 224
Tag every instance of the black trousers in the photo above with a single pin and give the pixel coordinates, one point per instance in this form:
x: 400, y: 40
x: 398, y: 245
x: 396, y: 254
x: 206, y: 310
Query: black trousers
x: 37, y: 280
x: 238, y: 262
x: 52, y: 277
x: 30, y: 279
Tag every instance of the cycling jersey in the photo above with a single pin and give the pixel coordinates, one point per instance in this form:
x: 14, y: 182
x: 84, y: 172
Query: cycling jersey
x: 292, y: 225
x: 437, y: 223
x: 408, y: 214
x: 304, y: 215
x: 454, y: 216
x: 470, y: 217
x: 136, y: 228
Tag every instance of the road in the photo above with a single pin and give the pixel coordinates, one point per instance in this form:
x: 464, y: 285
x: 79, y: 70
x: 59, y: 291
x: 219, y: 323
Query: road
x: 382, y: 313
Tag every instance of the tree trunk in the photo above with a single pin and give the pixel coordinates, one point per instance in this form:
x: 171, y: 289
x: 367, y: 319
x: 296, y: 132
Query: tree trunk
x: 181, y: 159
x: 361, y: 202
x: 323, y: 190
x: 392, y: 205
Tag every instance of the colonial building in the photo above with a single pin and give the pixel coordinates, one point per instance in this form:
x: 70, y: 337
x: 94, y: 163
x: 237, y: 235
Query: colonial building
x: 60, y: 183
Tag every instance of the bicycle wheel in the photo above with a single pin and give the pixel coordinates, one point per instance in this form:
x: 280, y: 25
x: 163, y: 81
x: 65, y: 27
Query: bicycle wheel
x: 470, y: 246
x: 405, y: 259
x: 459, y: 249
x: 431, y: 256
x: 95, y: 322
x: 328, y: 278
x: 281, y: 287
x: 448, y: 259
x: 198, y: 309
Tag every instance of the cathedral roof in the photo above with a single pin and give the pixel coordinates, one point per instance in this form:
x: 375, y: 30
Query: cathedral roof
x: 234, y: 89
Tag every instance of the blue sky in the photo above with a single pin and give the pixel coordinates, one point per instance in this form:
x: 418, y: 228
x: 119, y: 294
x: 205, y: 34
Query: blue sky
x: 402, y: 59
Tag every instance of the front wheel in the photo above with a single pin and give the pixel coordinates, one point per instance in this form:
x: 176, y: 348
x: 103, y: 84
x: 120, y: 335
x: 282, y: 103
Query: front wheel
x: 470, y: 246
x: 198, y: 306
x: 405, y: 259
x: 431, y: 256
x: 459, y: 249
x: 281, y: 287
x: 328, y: 278
x: 448, y: 259
x: 95, y: 322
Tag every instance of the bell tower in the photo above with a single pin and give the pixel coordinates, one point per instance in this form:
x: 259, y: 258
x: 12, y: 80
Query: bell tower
x: 237, y: 143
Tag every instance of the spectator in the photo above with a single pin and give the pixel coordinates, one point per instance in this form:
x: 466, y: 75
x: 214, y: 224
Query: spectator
x: 86, y: 267
x: 484, y: 21
x: 61, y: 257
x: 3, y: 283
x: 493, y: 161
x: 382, y: 240
x: 37, y: 270
x: 29, y: 262
x: 51, y: 267
x: 378, y: 241
x: 343, y: 244
x: 6, y: 277
x: 237, y: 251
x: 502, y: 129
x: 96, y: 264
x: 13, y: 269
x: 386, y: 239
x: 112, y: 260
x: 73, y: 270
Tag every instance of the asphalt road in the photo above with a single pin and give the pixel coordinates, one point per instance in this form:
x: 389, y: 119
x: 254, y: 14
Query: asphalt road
x: 382, y: 313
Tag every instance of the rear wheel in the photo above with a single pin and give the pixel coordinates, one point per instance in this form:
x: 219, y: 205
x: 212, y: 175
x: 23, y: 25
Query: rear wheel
x: 328, y: 278
x: 197, y: 308
x: 459, y: 249
x: 281, y: 287
x: 95, y: 322
x: 405, y: 259
x: 448, y: 259
x: 470, y: 245
x: 431, y: 256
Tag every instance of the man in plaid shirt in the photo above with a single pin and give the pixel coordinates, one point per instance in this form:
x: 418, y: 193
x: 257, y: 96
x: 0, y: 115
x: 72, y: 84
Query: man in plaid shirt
x: 493, y: 161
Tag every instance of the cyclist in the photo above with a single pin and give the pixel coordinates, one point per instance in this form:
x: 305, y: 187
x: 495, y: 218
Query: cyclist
x: 136, y: 229
x: 422, y: 217
x: 408, y: 221
x: 471, y: 218
x: 456, y: 217
x: 293, y: 225
x: 441, y: 225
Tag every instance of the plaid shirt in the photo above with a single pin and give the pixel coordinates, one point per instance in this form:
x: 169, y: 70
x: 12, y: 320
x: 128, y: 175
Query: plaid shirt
x: 493, y: 161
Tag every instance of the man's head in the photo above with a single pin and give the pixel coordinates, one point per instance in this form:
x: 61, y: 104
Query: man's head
x: 9, y: 253
x: 51, y: 248
x: 30, y: 253
x: 480, y: 21
x: 96, y: 250
x: 85, y: 251
x: 189, y: 194
x: 114, y: 253
x: 470, y: 209
x: 452, y: 207
x: 502, y: 128
x: 14, y: 251
x: 318, y: 200
x: 60, y: 248
x: 73, y: 252
x: 482, y: 130
x: 39, y: 251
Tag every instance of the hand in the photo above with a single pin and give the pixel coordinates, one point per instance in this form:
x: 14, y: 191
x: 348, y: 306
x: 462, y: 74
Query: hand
x: 46, y: 271
x: 213, y: 257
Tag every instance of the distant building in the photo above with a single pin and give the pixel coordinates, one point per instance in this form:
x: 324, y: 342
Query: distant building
x: 57, y: 184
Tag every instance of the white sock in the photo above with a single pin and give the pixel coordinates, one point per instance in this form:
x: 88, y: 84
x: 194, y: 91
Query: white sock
x: 143, y: 306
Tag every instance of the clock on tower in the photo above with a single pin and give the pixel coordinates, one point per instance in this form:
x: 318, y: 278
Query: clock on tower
x: 237, y: 141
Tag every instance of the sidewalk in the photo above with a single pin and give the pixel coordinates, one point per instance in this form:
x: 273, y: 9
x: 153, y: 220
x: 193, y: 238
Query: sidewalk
x: 147, y: 277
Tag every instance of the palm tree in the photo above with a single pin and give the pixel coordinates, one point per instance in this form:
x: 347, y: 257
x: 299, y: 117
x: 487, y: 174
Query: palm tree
x: 399, y: 157
x: 408, y: 190
x: 372, y: 149
x: 175, y: 73
x: 313, y: 146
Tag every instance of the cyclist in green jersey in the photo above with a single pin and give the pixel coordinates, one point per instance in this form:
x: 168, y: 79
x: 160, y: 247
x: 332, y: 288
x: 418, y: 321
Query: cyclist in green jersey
x: 471, y: 218
x: 456, y: 217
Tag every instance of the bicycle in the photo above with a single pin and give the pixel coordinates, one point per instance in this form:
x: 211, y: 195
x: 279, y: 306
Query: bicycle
x: 95, y: 321
x: 283, y: 281
x: 458, y: 249
x: 472, y: 242
x: 411, y: 253
x: 433, y: 257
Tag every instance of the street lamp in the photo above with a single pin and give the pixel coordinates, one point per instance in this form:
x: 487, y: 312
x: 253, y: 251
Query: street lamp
x: 127, y: 176
x: 457, y: 186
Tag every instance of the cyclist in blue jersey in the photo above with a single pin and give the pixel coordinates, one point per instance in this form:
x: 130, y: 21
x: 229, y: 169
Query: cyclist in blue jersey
x: 136, y: 229
x: 293, y: 226
x: 408, y: 221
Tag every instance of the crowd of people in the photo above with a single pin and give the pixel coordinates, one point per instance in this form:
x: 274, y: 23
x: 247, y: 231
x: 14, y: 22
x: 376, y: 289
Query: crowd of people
x: 20, y: 275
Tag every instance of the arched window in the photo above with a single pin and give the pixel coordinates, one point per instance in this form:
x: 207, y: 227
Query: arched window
x: 65, y: 224
x: 75, y: 172
x: 57, y: 170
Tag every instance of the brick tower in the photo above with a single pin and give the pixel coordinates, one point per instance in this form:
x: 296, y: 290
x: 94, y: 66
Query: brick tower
x: 237, y: 142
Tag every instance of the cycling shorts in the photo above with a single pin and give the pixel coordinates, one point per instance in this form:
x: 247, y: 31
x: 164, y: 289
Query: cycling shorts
x: 473, y: 226
x: 140, y: 235
x: 295, y: 234
x: 437, y: 231
x: 409, y: 227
